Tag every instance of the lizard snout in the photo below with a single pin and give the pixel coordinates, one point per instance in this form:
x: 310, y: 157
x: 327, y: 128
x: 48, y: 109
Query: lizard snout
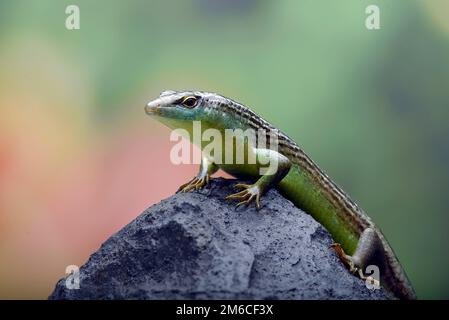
x: 152, y: 106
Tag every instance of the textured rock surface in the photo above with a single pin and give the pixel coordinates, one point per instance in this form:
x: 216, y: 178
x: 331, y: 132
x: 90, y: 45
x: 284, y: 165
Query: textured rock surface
x: 198, y: 246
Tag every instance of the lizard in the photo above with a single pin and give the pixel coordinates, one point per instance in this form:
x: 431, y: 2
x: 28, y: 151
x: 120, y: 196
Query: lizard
x: 358, y: 241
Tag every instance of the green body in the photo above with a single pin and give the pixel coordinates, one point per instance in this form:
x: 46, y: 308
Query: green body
x: 299, y: 188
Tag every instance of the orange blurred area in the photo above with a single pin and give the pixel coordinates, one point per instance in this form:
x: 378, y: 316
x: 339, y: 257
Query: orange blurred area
x: 65, y: 186
x: 93, y: 197
x: 57, y: 219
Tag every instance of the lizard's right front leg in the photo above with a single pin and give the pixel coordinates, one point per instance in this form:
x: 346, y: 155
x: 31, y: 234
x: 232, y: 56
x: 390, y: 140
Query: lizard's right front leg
x: 207, y: 168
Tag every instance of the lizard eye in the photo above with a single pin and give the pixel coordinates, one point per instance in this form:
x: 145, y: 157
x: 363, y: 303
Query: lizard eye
x: 189, y: 102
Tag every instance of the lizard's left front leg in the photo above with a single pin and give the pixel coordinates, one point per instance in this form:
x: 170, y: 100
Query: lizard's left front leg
x: 207, y: 168
x: 279, y: 166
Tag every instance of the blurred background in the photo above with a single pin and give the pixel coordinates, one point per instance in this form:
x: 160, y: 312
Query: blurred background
x: 79, y: 159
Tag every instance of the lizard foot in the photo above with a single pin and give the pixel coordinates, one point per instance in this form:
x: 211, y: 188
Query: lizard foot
x: 349, y: 263
x: 195, y: 184
x: 347, y: 260
x: 250, y: 193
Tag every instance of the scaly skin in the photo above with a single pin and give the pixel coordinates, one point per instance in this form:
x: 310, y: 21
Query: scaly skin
x: 359, y: 242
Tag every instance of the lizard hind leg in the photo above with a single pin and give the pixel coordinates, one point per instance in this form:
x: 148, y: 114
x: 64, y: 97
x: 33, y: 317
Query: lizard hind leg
x: 367, y: 252
x: 346, y: 259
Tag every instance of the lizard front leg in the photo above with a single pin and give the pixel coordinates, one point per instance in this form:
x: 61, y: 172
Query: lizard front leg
x: 279, y: 166
x: 207, y: 168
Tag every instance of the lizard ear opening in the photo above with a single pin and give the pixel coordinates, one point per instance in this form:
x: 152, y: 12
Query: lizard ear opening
x: 189, y: 102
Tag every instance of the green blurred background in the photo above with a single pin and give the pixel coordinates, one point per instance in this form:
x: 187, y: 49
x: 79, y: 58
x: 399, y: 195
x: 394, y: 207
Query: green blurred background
x: 79, y: 159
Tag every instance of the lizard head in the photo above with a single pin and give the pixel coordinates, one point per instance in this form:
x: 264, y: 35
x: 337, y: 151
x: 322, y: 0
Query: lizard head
x: 178, y: 109
x: 175, y: 108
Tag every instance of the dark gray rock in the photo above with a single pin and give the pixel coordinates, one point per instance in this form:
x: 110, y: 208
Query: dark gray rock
x: 198, y: 246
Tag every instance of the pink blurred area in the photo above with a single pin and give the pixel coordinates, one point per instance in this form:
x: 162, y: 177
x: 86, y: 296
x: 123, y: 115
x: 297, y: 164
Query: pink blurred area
x: 105, y: 187
x: 67, y: 183
x: 99, y: 192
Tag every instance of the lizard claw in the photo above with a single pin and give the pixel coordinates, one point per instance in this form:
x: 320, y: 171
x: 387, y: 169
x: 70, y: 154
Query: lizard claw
x: 249, y: 194
x: 242, y: 186
x: 195, y: 184
x: 347, y: 260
